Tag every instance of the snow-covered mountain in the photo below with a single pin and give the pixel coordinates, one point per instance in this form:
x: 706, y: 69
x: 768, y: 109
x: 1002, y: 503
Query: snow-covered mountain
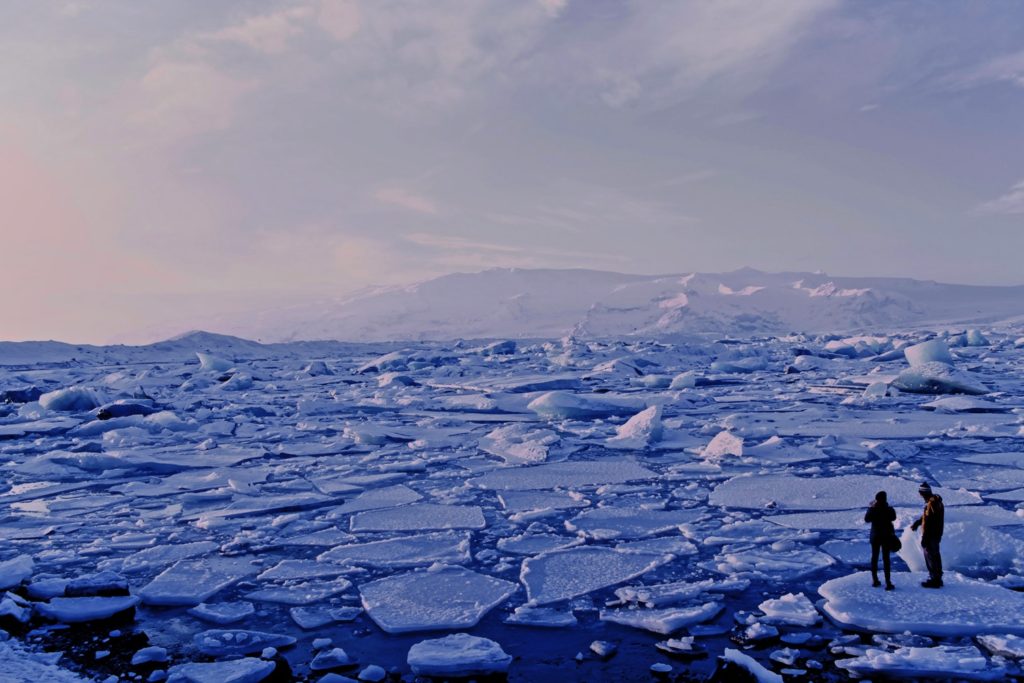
x: 525, y: 303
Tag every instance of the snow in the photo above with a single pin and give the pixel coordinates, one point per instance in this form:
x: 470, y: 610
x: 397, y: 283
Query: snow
x: 962, y: 606
x: 441, y: 597
x: 458, y: 654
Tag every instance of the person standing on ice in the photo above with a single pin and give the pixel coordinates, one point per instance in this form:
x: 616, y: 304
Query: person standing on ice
x: 880, y: 516
x: 931, y: 524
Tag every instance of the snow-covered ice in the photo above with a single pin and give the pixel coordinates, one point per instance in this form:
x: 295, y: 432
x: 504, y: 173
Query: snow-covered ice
x: 458, y: 654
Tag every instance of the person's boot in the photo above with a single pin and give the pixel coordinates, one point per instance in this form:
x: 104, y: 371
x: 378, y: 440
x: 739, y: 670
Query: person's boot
x: 889, y: 586
x: 931, y: 583
x: 874, y: 581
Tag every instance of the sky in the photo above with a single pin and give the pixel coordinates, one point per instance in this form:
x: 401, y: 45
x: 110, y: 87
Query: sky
x: 165, y: 161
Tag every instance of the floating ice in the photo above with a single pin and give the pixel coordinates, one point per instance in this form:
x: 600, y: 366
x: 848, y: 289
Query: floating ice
x: 966, y: 547
x: 419, y: 517
x: 565, y: 574
x: 751, y: 666
x: 564, y: 474
x: 191, y: 582
x: 639, y: 431
x: 961, y: 607
x: 300, y: 594
x: 542, y: 617
x: 964, y: 404
x: 933, y: 351
x: 223, y: 612
x: 222, y: 643
x: 245, y: 670
x: 937, y: 378
x: 376, y: 499
x: 794, y: 609
x: 71, y: 400
x: 844, y: 492
x: 77, y: 610
x: 665, y: 621
x: 628, y: 523
x: 408, y: 551
x: 16, y: 570
x: 439, y: 598
x: 211, y: 363
x: 330, y: 659
x: 724, y: 443
x: 740, y: 365
x: 1005, y: 646
x: 771, y: 563
x: 301, y: 569
x: 560, y: 405
x: 534, y: 544
x: 517, y: 444
x: 459, y: 654
x: 960, y: 662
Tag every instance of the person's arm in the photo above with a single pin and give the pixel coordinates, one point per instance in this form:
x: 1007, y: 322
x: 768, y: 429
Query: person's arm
x: 892, y: 514
x: 917, y: 523
x: 868, y: 515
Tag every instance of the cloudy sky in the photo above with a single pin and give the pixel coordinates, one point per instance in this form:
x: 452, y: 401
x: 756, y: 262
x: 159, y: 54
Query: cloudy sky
x: 162, y: 161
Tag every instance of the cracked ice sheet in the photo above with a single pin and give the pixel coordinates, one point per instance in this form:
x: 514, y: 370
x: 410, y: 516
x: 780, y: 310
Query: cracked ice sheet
x: 566, y: 574
x: 419, y: 517
x: 628, y: 523
x: 845, y: 492
x: 985, y: 515
x: 190, y: 582
x: 439, y: 598
x: 961, y: 607
x: 408, y: 551
x: 585, y: 473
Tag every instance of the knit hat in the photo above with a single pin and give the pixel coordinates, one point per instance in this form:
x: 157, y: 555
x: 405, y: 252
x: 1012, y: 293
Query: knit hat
x: 925, y: 489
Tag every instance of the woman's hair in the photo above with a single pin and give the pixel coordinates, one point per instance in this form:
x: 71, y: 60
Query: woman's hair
x: 880, y: 497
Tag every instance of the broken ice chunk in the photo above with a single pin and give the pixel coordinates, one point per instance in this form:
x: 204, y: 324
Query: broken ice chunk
x: 565, y: 574
x: 459, y: 654
x: 419, y: 517
x: 439, y: 598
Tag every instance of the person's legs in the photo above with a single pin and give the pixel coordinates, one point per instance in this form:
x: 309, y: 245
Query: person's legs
x: 875, y: 547
x: 933, y: 561
x: 887, y: 565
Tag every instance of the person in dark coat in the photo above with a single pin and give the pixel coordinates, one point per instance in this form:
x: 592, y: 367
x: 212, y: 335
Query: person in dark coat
x: 880, y: 516
x: 931, y: 523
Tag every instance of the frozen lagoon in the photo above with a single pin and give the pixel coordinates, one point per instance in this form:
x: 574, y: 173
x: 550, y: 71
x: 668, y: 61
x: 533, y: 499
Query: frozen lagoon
x: 381, y: 495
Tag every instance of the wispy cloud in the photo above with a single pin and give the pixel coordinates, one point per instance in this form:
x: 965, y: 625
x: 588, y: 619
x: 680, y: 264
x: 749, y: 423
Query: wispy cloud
x: 1011, y: 203
x: 402, y: 198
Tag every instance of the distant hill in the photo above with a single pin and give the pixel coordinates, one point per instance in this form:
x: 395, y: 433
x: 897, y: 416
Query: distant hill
x: 525, y: 303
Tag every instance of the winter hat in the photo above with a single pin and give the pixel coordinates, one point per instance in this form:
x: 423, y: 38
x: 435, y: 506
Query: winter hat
x: 880, y: 497
x: 925, y: 489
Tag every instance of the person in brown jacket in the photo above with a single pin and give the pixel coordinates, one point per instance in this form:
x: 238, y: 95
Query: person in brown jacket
x: 931, y: 524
